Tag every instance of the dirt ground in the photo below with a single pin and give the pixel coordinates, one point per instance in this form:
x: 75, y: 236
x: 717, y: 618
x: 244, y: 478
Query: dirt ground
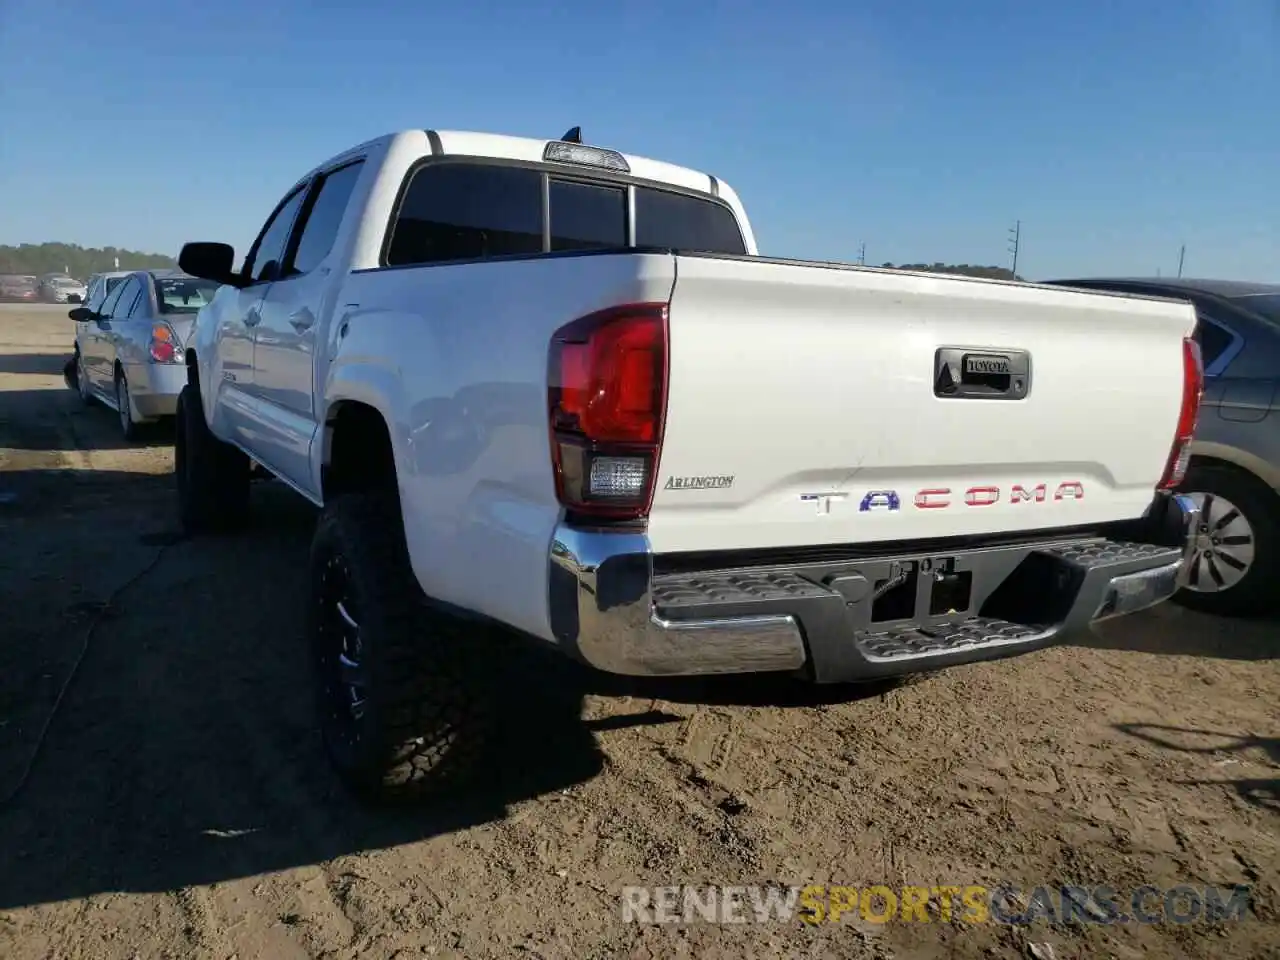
x: 180, y: 805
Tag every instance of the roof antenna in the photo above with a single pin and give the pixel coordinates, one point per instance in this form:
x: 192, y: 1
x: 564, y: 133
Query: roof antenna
x: 573, y: 135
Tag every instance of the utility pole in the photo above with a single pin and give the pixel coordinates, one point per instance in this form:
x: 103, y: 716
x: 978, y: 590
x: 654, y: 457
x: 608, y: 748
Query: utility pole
x: 862, y: 254
x: 1015, y: 238
x: 1182, y: 255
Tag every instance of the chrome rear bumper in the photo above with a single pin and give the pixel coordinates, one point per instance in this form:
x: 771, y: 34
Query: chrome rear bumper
x: 609, y: 608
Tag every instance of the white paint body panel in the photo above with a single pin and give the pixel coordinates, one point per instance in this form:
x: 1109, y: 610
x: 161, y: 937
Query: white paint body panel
x: 795, y: 379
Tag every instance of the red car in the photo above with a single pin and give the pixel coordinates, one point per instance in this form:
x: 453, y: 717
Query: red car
x: 16, y: 286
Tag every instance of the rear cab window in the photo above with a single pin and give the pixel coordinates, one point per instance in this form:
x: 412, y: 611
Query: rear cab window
x: 473, y: 210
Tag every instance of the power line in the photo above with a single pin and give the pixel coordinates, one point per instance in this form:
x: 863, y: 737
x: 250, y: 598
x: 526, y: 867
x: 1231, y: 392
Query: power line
x: 1015, y: 239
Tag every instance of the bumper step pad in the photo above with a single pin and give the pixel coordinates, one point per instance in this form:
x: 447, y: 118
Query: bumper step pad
x: 677, y: 595
x: 908, y: 643
x: 1113, y: 553
x: 743, y: 592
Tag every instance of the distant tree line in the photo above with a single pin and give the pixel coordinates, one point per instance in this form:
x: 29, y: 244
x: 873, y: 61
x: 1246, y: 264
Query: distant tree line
x: 79, y: 262
x: 963, y: 269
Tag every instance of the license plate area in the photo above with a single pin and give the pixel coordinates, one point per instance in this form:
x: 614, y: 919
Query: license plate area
x: 930, y: 589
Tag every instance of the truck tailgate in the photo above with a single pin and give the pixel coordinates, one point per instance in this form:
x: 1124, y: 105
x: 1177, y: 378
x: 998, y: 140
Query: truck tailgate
x: 809, y: 404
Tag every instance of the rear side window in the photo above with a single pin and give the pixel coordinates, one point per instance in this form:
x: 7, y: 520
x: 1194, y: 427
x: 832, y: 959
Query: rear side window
x: 110, y: 303
x: 325, y: 217
x: 686, y: 223
x: 1213, y: 340
x: 459, y: 211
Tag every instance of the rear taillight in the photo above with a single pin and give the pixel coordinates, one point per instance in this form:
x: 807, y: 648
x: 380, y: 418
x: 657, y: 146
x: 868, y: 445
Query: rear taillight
x: 1192, y: 387
x: 164, y: 347
x: 607, y: 398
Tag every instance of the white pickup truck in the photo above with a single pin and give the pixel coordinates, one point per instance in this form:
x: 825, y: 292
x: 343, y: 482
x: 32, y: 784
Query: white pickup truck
x: 553, y: 386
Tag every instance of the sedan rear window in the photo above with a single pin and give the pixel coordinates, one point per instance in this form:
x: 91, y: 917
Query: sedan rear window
x: 183, y: 295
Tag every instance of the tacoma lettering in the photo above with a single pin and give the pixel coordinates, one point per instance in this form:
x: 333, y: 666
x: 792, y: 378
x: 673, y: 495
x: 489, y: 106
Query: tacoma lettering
x: 1020, y: 493
x: 980, y: 495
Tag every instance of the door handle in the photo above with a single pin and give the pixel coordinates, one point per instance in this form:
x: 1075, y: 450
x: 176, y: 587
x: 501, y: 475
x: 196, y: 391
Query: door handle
x: 252, y: 318
x: 302, y: 320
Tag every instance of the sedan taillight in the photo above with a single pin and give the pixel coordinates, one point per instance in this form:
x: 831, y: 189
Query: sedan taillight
x: 164, y: 346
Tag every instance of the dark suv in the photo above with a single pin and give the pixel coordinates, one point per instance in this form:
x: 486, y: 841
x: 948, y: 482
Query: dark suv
x: 1235, y: 458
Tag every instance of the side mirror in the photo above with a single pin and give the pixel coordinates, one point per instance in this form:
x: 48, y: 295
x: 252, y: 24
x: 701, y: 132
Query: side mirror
x: 74, y: 298
x: 82, y: 315
x: 210, y: 261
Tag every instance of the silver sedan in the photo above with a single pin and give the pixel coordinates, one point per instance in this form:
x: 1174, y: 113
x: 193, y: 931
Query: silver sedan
x: 130, y: 351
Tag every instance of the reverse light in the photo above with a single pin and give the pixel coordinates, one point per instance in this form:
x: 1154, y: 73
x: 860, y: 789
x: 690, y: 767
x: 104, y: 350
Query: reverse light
x: 164, y: 346
x: 1192, y: 388
x: 606, y: 401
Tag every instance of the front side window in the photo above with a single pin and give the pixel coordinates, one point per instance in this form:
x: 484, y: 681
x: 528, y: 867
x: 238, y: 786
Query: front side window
x: 264, y: 263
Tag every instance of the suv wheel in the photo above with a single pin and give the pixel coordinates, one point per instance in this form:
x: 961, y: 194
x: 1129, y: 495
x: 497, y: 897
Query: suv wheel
x: 1237, y: 553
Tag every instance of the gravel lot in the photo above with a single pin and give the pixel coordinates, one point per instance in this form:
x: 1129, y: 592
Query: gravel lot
x: 180, y: 806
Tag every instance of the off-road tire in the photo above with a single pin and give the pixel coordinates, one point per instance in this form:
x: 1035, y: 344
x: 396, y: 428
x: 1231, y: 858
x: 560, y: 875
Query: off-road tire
x: 427, y: 690
x: 1256, y: 593
x: 212, y: 477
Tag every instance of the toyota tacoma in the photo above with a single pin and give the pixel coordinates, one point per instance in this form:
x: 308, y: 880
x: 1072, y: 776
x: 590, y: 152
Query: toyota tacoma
x: 556, y: 388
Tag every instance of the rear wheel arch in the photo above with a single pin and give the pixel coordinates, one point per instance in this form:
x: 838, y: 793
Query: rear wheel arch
x: 1200, y: 462
x: 358, y: 454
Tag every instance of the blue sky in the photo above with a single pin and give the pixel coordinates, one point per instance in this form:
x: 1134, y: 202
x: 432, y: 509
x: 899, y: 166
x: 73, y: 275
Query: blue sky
x: 1114, y: 131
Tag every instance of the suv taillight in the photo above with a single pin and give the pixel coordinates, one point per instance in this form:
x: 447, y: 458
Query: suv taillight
x: 607, y: 399
x: 1192, y: 387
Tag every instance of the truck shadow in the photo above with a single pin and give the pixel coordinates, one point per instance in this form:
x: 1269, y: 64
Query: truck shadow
x: 184, y: 751
x: 1171, y: 629
x: 1259, y: 792
x: 50, y: 364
